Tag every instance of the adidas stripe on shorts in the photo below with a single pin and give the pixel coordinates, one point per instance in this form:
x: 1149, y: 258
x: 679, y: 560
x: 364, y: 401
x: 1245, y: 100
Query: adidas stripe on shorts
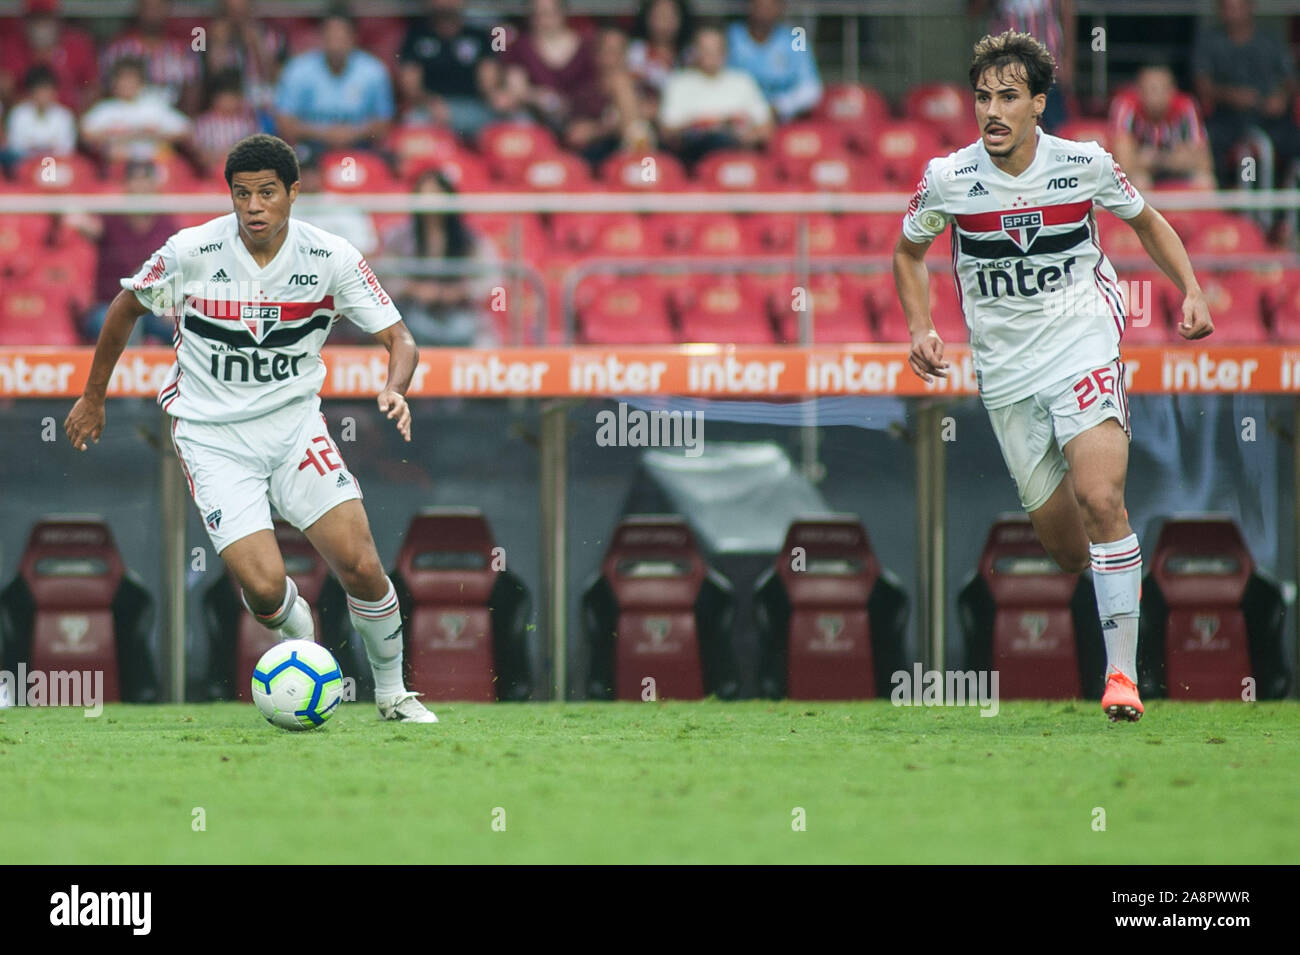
x: 1032, y: 431
x: 237, y: 471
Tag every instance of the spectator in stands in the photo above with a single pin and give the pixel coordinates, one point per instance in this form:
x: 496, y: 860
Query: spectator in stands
x: 134, y: 122
x: 40, y: 125
x: 337, y: 97
x: 45, y: 40
x: 1245, y: 78
x: 443, y: 310
x: 450, y: 72
x: 169, y: 62
x: 228, y: 119
x: 659, y: 44
x: 1054, y: 24
x: 710, y: 106
x: 124, y: 242
x: 557, y: 74
x: 778, y: 58
x: 254, y: 49
x: 1156, y: 132
x: 313, y: 205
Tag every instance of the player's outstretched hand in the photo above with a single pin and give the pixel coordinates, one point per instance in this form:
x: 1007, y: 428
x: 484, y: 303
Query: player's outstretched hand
x: 926, y: 357
x: 394, y: 407
x: 84, y: 422
x: 1196, y: 321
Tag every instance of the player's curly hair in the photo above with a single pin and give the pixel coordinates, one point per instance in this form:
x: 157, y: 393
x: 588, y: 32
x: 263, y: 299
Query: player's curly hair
x: 263, y: 151
x: 1015, y: 49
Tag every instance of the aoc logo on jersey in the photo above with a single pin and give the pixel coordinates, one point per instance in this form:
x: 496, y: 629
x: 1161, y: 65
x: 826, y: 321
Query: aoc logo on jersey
x: 259, y: 319
x: 1022, y: 227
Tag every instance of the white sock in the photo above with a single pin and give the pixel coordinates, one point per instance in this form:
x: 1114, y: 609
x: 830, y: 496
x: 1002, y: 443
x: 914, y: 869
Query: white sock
x: 293, y: 621
x: 1117, y: 580
x: 380, y: 624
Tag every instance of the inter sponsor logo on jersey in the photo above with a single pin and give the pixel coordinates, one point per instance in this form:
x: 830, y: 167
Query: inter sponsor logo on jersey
x: 1022, y: 227
x: 259, y: 319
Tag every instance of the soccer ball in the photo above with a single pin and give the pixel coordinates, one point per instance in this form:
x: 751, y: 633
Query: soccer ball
x: 297, y: 685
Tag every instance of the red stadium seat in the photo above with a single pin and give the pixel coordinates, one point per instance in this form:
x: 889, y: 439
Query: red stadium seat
x: 1087, y: 130
x: 1120, y: 243
x: 630, y: 312
x: 32, y: 313
x: 716, y: 233
x: 796, y: 146
x: 838, y: 304
x: 574, y: 232
x: 1213, y: 234
x: 1280, y: 299
x: 644, y: 172
x: 501, y: 228
x: 722, y: 310
x: 465, y: 172
x: 859, y: 110
x: 357, y: 171
x: 65, y: 174
x: 1147, y: 305
x: 1235, y: 305
x: 873, y: 232
x: 415, y: 145
x: 23, y: 232
x: 735, y: 171
x: 557, y: 173
x: 891, y: 323
x: 902, y: 148
x: 835, y: 173
x: 510, y: 147
x: 945, y: 107
x: 626, y: 233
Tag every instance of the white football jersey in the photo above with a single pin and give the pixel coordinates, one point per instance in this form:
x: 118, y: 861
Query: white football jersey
x: 248, y: 339
x: 1039, y: 296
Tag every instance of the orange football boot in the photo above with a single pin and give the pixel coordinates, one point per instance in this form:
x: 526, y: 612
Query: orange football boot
x: 1121, y: 701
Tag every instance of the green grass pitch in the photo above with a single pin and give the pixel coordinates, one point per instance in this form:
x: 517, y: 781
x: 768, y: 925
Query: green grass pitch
x: 655, y: 783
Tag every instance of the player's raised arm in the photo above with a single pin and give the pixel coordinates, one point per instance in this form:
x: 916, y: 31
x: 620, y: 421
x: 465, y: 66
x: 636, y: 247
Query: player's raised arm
x: 86, y: 420
x: 402, y: 359
x: 1167, y: 251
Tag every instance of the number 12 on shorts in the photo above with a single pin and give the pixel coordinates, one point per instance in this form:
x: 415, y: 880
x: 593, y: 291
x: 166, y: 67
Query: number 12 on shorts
x: 324, y: 457
x: 1094, y: 384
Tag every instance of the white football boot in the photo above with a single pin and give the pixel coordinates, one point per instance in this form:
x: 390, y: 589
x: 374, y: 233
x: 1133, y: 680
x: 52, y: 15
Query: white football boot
x: 405, y: 708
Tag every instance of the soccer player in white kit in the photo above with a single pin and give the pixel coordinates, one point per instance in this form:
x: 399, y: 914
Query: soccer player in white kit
x: 1046, y: 317
x: 254, y: 295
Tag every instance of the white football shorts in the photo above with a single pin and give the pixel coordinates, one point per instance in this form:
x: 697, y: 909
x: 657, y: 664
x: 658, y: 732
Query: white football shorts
x: 1033, y: 431
x: 236, y: 471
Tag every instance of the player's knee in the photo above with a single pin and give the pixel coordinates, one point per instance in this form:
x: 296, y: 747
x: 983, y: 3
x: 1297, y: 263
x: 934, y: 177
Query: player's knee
x: 1072, y: 560
x: 361, y: 571
x: 1101, y: 506
x: 264, y: 593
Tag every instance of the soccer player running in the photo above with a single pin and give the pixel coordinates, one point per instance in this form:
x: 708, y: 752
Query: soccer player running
x: 254, y: 295
x: 1045, y: 318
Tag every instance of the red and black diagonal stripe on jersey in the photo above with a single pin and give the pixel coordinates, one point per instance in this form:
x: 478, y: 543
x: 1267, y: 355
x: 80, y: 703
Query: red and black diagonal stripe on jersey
x: 220, y: 320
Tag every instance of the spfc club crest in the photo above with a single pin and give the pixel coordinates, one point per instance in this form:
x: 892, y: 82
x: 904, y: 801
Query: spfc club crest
x: 1022, y: 227
x: 259, y: 320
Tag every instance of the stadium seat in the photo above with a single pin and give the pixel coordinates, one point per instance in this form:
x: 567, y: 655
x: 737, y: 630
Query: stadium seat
x: 1280, y: 299
x: 901, y: 149
x: 644, y: 172
x: 1087, y: 130
x: 1235, y: 301
x: 858, y: 110
x: 465, y: 616
x: 833, y: 173
x: 1219, y: 234
x: 510, y: 147
x: 1147, y: 307
x: 412, y: 146
x: 1032, y: 622
x: 831, y: 622
x: 32, y: 313
x: 887, y: 312
x: 66, y: 174
x: 23, y: 232
x: 873, y: 232
x: 945, y: 107
x: 723, y: 310
x: 74, y: 606
x: 501, y: 228
x: 796, y: 146
x: 709, y: 234
x: 574, y: 232
x: 658, y: 613
x: 465, y: 171
x: 558, y: 173
x: 1209, y: 620
x: 626, y: 234
x: 632, y: 311
x: 735, y: 171
x: 357, y: 171
x: 838, y: 303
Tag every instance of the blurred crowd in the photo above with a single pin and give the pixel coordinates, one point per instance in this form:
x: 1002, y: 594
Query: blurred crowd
x: 166, y: 97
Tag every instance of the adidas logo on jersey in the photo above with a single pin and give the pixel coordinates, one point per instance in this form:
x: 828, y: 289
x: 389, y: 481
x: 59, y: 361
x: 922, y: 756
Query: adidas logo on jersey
x: 976, y: 191
x: 221, y: 276
x: 342, y: 481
